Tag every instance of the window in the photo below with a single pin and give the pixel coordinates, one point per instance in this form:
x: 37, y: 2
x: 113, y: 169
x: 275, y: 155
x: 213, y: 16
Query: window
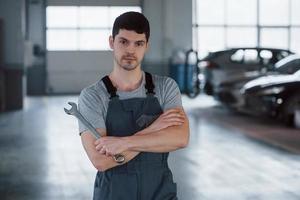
x: 238, y: 56
x: 251, y: 56
x: 213, y: 10
x: 295, y: 14
x: 244, y: 9
x: 222, y: 24
x: 269, y: 12
x: 236, y: 37
x: 270, y: 37
x: 295, y: 39
x: 211, y: 39
x: 81, y: 28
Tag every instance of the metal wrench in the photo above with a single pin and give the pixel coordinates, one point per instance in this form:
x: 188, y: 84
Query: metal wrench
x: 119, y: 158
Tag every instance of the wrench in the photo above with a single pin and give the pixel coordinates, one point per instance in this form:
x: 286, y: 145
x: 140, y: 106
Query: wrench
x: 119, y: 158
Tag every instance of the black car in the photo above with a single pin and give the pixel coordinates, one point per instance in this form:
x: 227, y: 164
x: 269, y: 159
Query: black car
x: 228, y: 92
x: 221, y: 66
x: 274, y: 95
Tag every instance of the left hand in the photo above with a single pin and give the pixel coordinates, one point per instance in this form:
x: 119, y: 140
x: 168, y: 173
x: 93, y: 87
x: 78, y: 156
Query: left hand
x: 110, y: 146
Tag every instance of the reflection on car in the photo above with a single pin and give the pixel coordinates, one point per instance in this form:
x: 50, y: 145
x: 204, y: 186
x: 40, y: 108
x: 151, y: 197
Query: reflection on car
x: 234, y: 64
x: 273, y: 95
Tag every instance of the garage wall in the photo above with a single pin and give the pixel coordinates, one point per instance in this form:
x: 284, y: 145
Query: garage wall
x: 69, y: 72
x: 12, y: 13
x: 171, y: 29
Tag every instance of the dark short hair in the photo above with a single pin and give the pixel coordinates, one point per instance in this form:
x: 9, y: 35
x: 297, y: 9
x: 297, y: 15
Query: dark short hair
x: 132, y: 21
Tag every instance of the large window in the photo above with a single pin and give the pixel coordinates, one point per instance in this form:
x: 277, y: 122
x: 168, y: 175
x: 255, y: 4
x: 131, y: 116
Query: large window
x: 220, y: 24
x: 81, y: 28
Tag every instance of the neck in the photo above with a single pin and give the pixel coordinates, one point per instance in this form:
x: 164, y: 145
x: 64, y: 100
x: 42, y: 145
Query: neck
x: 126, y: 80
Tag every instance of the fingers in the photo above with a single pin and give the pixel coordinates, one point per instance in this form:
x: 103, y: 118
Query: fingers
x: 109, y: 146
x: 178, y: 116
x: 173, y: 113
x: 99, y: 147
x: 101, y: 140
x: 167, y: 124
x: 172, y: 119
x: 103, y: 150
x: 174, y: 122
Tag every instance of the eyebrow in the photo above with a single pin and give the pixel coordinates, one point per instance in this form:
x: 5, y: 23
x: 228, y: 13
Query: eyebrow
x: 122, y: 38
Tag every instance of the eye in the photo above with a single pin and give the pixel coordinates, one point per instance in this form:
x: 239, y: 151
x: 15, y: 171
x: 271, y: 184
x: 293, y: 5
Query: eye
x: 123, y: 42
x: 140, y: 43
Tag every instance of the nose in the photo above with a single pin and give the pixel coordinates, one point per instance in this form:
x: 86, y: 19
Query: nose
x: 130, y: 48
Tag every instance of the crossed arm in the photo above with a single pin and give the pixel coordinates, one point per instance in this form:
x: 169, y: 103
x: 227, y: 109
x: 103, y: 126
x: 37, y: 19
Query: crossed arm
x: 167, y: 133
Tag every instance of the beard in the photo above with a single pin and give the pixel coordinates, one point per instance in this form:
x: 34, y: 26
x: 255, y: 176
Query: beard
x: 128, y: 63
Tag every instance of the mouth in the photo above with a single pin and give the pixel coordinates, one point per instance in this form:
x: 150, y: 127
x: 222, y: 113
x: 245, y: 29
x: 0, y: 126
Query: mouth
x: 129, y: 58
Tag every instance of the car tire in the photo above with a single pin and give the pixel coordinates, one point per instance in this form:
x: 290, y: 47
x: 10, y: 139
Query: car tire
x: 288, y: 113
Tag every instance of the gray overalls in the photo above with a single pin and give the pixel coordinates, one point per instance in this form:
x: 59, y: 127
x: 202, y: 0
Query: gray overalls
x: 147, y: 176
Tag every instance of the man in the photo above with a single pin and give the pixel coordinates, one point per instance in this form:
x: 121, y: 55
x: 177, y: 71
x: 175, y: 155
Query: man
x: 139, y: 116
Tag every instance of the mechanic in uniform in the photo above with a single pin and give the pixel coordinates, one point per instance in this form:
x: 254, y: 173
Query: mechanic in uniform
x: 139, y: 115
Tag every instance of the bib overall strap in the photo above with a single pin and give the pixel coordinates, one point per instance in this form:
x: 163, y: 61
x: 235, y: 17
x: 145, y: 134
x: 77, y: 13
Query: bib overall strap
x: 149, y: 84
x: 109, y: 87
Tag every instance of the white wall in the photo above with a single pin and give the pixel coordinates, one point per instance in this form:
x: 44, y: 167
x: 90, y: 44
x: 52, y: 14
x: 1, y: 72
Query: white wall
x: 70, y: 72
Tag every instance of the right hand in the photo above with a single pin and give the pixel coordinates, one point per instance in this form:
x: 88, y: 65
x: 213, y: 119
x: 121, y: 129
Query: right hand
x: 171, y: 117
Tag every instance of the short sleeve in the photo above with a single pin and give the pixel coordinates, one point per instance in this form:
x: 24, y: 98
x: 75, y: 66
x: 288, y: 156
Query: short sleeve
x: 171, y: 94
x: 91, y: 108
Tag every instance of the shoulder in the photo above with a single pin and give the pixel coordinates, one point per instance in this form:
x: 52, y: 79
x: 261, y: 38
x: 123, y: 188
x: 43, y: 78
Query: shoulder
x: 158, y: 79
x: 94, y: 92
x: 167, y: 91
x: 164, y: 82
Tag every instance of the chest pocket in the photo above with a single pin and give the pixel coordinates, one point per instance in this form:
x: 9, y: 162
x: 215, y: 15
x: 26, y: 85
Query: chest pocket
x: 146, y: 120
x: 151, y: 111
x: 126, y: 117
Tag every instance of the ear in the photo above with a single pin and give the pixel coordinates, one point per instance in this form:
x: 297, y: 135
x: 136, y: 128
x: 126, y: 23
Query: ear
x: 111, y: 42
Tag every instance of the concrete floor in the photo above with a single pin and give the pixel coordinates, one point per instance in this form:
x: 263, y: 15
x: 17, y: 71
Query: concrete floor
x: 230, y: 156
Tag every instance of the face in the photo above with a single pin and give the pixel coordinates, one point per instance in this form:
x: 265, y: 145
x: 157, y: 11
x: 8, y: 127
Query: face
x: 129, y: 49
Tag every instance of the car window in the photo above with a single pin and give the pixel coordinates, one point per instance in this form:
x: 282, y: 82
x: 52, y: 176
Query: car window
x: 246, y: 56
x: 251, y: 56
x: 266, y: 56
x: 237, y: 56
x: 281, y: 55
x: 284, y: 54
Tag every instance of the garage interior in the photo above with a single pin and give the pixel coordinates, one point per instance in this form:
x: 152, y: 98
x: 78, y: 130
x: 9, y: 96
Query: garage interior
x: 46, y: 60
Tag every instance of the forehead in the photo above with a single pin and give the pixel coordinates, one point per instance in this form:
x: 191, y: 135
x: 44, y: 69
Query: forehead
x: 131, y: 35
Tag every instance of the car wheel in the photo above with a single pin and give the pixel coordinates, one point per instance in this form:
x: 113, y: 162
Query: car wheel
x: 290, y: 107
